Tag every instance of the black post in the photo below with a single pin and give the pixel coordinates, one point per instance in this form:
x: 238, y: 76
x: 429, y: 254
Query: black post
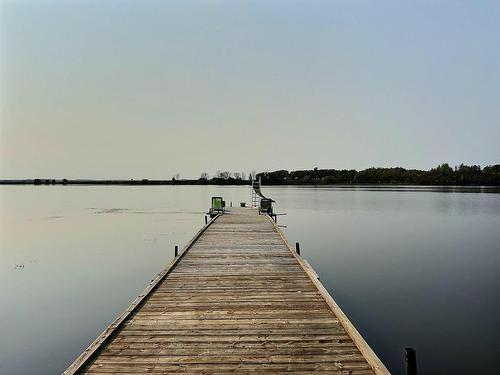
x: 206, y: 220
x: 410, y: 361
x: 231, y: 204
x: 297, y: 247
x: 176, y: 251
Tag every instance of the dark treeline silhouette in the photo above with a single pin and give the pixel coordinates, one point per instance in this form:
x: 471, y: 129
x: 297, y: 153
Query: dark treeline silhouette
x: 441, y: 175
x: 226, y: 178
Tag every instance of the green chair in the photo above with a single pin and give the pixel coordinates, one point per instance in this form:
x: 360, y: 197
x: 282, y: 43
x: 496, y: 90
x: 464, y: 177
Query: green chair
x: 217, y: 203
x: 217, y: 207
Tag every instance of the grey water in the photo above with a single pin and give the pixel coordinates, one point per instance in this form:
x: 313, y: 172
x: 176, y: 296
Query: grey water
x: 410, y: 266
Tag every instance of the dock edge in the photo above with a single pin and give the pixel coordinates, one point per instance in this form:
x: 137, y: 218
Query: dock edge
x: 367, y: 352
x: 105, y: 336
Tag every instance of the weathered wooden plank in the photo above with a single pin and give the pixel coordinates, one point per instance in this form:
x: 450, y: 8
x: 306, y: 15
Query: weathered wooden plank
x: 230, y: 358
x: 164, y: 339
x: 270, y: 368
x: 264, y: 339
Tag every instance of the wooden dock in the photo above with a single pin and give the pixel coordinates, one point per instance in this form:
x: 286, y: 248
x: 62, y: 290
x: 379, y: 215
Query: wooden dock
x: 237, y: 299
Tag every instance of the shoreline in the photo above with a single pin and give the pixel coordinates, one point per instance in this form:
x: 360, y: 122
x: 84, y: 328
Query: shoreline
x: 231, y: 182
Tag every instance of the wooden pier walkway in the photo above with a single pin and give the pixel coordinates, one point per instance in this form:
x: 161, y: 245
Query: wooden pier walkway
x: 236, y: 300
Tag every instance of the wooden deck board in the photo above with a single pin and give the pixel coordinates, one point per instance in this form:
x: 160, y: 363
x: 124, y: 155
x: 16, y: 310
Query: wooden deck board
x: 237, y: 300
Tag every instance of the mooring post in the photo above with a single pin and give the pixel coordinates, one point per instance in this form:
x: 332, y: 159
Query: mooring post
x: 176, y: 251
x: 410, y: 361
x: 297, y: 247
x: 231, y: 204
x: 206, y: 220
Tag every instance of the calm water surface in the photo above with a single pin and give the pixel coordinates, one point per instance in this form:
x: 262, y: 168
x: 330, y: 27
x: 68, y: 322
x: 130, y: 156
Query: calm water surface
x: 410, y: 266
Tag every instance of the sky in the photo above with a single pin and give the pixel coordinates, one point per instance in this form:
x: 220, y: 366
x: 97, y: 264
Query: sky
x: 132, y: 89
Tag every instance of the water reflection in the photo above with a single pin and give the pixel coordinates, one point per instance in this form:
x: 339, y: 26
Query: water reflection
x: 411, y: 266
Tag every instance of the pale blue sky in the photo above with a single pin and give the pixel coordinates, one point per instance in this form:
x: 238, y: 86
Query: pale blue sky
x: 151, y: 88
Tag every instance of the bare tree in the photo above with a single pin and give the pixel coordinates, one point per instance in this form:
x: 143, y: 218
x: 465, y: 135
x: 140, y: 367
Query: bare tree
x: 243, y: 176
x: 218, y: 174
x: 226, y: 175
x: 237, y: 175
x: 204, y: 176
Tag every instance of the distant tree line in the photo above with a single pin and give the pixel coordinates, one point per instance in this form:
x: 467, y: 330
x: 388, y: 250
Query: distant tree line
x: 441, y: 175
x: 226, y: 178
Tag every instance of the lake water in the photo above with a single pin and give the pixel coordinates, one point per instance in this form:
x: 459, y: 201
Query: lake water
x: 410, y: 266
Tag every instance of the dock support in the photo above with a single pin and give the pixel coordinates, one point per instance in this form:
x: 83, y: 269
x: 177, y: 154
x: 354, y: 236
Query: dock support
x: 410, y: 361
x: 297, y: 247
x: 176, y: 251
x: 206, y: 220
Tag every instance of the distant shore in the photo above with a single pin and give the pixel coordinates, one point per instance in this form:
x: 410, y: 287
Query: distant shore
x: 442, y: 175
x: 53, y: 181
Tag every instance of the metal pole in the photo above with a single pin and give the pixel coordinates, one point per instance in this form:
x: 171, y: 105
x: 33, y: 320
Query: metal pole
x: 206, y: 220
x: 297, y: 247
x: 410, y: 361
x: 176, y: 251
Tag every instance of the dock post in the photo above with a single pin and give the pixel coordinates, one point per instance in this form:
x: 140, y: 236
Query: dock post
x: 206, y: 220
x: 410, y: 361
x: 176, y: 251
x: 231, y: 204
x: 297, y: 247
